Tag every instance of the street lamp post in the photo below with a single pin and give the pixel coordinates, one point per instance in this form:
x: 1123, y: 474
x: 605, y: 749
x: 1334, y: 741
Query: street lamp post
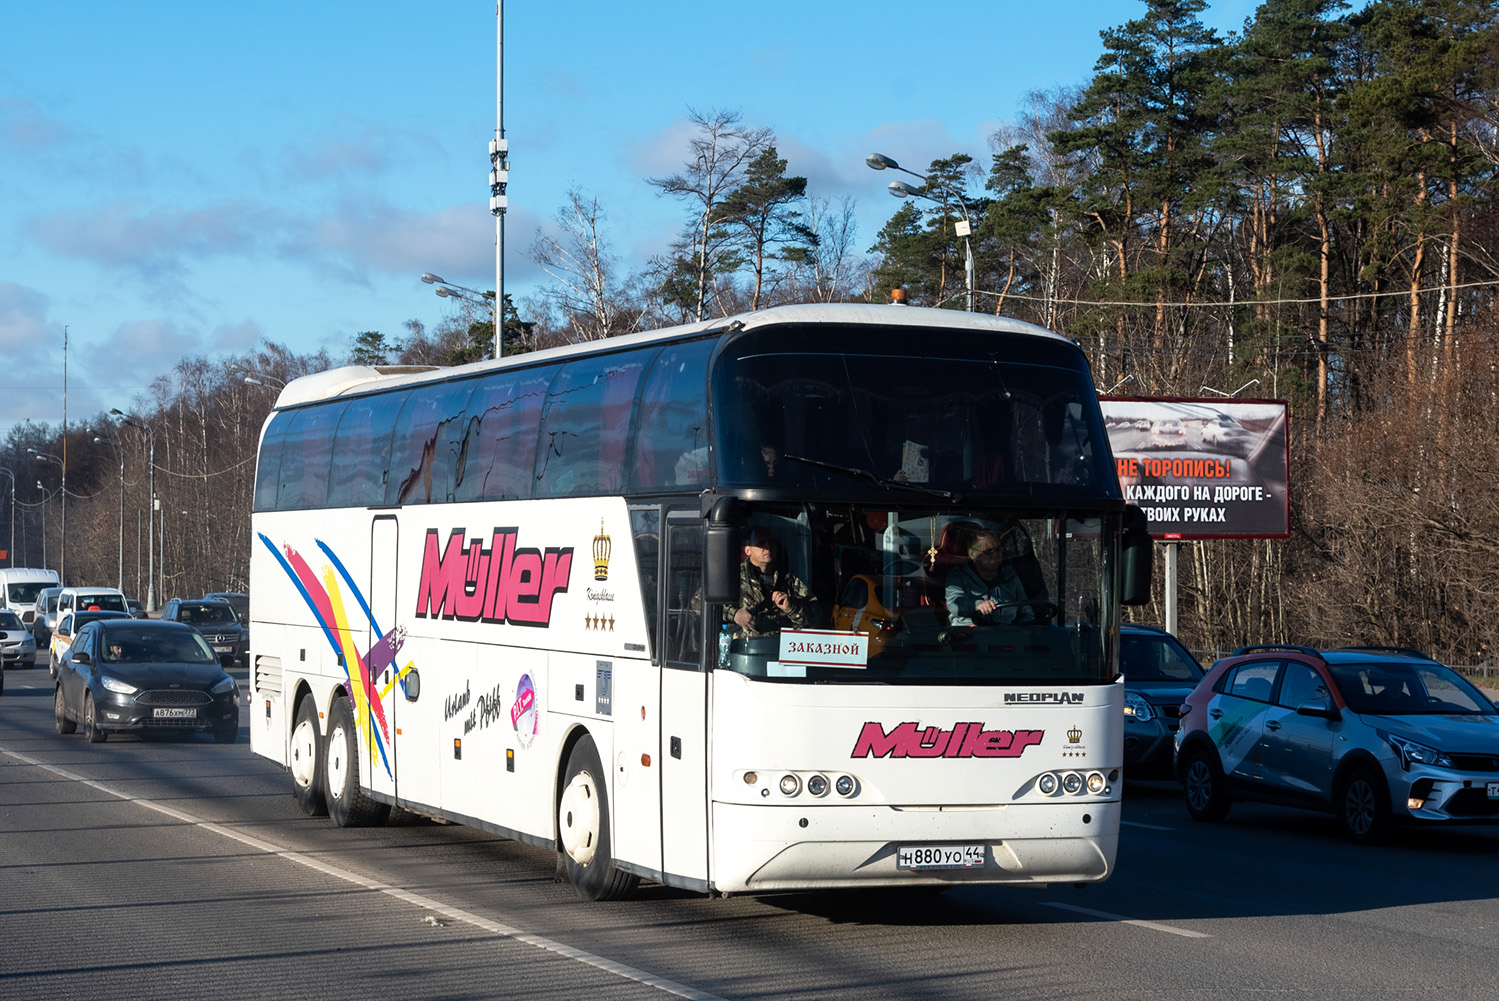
x: 121, y: 454
x: 43, y: 491
x: 151, y: 521
x: 12, y: 550
x: 900, y: 189
x: 484, y: 300
x: 62, y: 556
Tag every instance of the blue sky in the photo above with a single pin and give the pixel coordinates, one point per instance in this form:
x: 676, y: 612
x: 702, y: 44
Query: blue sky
x: 194, y: 178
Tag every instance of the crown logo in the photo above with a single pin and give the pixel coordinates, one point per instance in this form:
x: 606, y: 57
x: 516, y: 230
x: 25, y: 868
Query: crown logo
x: 1074, y: 736
x: 601, y: 554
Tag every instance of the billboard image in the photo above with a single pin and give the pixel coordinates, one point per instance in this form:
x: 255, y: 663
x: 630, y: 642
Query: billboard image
x: 1204, y: 469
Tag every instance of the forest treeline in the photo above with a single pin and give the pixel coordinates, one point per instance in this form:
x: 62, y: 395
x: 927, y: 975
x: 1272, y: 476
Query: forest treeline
x: 1305, y: 208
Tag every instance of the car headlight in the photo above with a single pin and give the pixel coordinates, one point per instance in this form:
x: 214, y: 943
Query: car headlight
x: 1136, y: 708
x: 224, y: 686
x: 117, y: 686
x: 1411, y: 752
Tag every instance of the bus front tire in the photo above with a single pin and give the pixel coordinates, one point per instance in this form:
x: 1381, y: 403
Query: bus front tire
x: 307, y: 760
x: 583, y: 826
x: 348, y: 804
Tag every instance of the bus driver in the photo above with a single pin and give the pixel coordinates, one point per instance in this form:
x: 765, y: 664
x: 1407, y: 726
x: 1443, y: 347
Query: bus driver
x: 983, y: 591
x: 771, y: 598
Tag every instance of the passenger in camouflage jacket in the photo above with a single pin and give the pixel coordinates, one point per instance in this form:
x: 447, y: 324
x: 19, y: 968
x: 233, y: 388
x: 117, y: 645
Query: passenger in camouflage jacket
x: 771, y: 598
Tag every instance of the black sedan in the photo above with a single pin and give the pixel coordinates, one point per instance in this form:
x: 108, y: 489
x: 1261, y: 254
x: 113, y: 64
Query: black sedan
x: 129, y: 674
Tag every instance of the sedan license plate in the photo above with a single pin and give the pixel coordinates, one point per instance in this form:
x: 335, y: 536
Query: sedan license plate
x: 924, y: 857
x: 1494, y: 790
x: 175, y: 713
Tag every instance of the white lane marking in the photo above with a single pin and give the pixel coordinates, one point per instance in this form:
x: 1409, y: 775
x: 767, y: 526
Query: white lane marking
x: 1148, y: 827
x: 1152, y: 925
x: 420, y: 900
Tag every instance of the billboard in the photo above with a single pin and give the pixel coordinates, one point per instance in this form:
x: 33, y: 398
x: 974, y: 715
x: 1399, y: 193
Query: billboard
x: 1204, y: 469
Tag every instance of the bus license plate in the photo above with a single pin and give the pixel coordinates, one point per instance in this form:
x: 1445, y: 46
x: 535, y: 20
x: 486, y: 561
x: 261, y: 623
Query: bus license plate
x: 1494, y: 790
x: 175, y: 713
x: 922, y: 857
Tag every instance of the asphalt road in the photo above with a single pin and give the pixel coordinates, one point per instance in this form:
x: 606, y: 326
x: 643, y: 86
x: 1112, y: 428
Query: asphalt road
x: 182, y: 869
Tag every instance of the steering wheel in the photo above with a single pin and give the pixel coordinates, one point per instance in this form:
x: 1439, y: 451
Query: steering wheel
x: 1044, y: 611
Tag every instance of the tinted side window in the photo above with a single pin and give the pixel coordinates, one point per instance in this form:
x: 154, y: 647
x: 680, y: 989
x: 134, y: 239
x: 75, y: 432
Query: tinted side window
x: 306, y: 456
x: 268, y: 473
x: 586, y: 426
x: 671, y: 440
x: 1300, y: 684
x: 684, y: 586
x: 424, y: 453
x: 361, y: 451
x: 500, y: 431
x: 1254, y: 681
x: 645, y: 525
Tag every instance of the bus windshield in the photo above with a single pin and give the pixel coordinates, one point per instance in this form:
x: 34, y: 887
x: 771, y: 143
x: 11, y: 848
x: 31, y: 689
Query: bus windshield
x: 956, y: 411
x: 921, y: 595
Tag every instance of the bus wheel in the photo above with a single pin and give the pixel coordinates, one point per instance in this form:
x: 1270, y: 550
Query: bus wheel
x: 583, y: 821
x: 306, y: 770
x: 348, y: 804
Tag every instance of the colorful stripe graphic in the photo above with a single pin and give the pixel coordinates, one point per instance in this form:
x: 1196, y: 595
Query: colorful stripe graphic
x: 325, y: 599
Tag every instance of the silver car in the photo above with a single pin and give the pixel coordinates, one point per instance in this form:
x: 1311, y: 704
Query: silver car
x: 1373, y: 735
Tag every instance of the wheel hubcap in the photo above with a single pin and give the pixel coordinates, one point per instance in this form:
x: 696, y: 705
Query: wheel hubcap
x: 1199, y: 785
x: 1360, y: 807
x: 304, y: 755
x: 338, y: 763
x: 578, y: 819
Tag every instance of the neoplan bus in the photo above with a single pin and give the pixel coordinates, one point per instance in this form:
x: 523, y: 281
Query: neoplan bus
x: 504, y: 595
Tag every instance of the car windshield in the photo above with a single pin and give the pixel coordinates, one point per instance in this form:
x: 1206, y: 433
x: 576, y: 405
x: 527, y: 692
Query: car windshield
x: 1386, y: 688
x: 25, y: 592
x: 208, y: 615
x: 9, y: 620
x: 1156, y: 658
x: 100, y: 602
x: 155, y: 646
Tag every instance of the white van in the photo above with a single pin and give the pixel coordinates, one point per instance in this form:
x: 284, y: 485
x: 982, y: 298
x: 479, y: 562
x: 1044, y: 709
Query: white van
x: 19, y: 587
x: 104, y: 599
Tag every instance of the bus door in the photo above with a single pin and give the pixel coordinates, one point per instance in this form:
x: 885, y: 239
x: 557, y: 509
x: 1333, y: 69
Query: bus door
x: 379, y: 769
x: 684, y: 706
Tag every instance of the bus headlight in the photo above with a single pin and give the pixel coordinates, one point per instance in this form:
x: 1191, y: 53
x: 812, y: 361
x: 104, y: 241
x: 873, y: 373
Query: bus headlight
x: 845, y: 785
x: 1072, y: 783
x: 1047, y: 783
x: 1095, y: 783
x: 817, y: 785
x: 790, y: 785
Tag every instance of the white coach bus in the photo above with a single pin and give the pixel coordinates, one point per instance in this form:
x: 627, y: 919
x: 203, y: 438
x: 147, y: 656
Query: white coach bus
x: 522, y: 595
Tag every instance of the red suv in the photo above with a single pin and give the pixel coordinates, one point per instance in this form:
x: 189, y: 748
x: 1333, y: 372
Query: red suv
x: 1373, y: 735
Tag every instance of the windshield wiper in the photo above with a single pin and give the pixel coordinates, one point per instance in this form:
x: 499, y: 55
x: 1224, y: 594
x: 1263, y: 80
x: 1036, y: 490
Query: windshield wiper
x: 875, y: 478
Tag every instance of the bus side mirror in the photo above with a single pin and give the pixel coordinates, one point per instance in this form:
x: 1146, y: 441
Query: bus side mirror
x: 1136, y: 551
x: 721, y: 574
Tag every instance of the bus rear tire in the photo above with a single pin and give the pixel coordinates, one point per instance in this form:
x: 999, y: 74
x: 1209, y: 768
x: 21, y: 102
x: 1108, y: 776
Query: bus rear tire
x: 583, y: 827
x: 307, y: 761
x: 348, y: 804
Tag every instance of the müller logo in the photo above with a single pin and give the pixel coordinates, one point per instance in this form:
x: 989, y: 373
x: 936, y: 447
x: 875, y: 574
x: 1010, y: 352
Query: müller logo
x: 498, y: 583
x: 964, y: 740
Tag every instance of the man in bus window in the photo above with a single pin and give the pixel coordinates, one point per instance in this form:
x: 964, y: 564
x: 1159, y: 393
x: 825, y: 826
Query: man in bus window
x: 771, y: 598
x: 982, y: 591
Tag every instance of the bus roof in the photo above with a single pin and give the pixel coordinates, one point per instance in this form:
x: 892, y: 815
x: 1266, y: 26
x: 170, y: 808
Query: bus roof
x: 354, y: 378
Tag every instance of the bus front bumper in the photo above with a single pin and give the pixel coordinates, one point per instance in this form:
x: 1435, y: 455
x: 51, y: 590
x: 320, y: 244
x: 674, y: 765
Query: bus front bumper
x: 764, y: 848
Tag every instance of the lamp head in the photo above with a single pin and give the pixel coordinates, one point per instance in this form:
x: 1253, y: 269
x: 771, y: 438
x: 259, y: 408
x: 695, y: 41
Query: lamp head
x: 446, y: 293
x: 900, y: 189
x: 430, y: 278
x: 879, y: 161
